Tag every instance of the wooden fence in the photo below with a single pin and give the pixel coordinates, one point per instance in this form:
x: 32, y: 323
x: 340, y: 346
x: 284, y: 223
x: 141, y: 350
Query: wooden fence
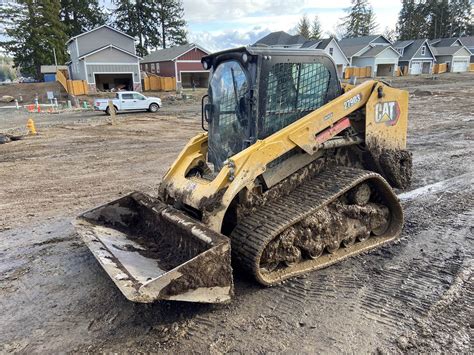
x: 471, y: 67
x: 440, y: 68
x: 153, y: 82
x: 73, y: 87
x: 358, y: 72
x: 402, y: 71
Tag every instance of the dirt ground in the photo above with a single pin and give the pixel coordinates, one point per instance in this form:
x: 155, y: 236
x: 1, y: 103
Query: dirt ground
x: 415, y: 295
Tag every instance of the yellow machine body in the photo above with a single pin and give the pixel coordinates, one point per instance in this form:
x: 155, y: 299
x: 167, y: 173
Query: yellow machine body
x: 386, y: 126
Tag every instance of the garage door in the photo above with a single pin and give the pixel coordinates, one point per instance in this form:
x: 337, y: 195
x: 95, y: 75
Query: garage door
x: 459, y: 66
x: 199, y: 79
x: 416, y: 68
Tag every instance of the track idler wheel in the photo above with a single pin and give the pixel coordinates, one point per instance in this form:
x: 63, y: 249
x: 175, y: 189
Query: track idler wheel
x: 359, y: 195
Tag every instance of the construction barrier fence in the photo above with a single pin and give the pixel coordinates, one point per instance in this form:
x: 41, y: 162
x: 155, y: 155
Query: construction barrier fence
x: 440, y: 68
x: 153, y: 82
x: 365, y: 72
x: 73, y: 87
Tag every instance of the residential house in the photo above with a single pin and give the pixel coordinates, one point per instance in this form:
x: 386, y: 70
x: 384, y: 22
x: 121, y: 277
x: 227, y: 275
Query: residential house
x: 331, y: 47
x: 452, y: 52
x: 281, y: 39
x: 416, y: 56
x: 375, y: 51
x: 106, y: 58
x: 468, y: 42
x: 181, y: 62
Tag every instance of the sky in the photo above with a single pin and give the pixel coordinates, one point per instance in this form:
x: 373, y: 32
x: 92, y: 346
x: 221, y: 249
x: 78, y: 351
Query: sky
x: 221, y: 24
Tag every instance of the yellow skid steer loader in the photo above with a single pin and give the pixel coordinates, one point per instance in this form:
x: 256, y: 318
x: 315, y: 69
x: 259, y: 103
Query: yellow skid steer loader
x: 294, y: 172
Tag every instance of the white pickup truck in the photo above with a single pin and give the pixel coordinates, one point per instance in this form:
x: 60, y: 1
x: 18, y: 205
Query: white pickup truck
x: 128, y: 101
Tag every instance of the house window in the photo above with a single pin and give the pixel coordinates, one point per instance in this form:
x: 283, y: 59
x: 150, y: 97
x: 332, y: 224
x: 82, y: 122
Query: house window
x: 331, y: 51
x: 423, y: 50
x: 153, y: 68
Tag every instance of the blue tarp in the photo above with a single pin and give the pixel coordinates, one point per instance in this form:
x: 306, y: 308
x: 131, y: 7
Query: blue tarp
x: 49, y: 77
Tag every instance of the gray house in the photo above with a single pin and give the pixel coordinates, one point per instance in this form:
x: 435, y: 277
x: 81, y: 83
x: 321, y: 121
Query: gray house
x: 452, y: 52
x: 331, y: 47
x: 106, y: 59
x: 281, y: 39
x: 468, y: 42
x: 375, y: 51
x: 416, y: 56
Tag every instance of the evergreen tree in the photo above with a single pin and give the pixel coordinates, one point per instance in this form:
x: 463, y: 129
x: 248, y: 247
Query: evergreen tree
x: 303, y: 27
x: 408, y: 18
x: 154, y: 23
x: 360, y: 20
x: 461, y: 21
x: 436, y: 18
x: 34, y: 32
x: 316, y: 31
x: 81, y: 15
x: 137, y: 20
x: 170, y: 15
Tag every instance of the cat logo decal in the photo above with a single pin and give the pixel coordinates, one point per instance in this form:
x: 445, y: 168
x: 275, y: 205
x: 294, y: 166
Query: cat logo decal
x: 387, y: 112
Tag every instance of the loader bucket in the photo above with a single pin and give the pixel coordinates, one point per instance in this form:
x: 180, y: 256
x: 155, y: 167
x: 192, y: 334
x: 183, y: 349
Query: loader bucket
x: 153, y: 251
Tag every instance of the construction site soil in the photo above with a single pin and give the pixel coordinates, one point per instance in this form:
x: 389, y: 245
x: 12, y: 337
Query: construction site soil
x: 413, y: 295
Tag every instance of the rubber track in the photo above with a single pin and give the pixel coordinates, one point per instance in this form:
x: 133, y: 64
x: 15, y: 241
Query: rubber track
x: 254, y: 232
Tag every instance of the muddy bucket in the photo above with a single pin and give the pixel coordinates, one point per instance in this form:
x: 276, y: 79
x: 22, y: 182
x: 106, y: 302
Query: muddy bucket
x: 152, y: 251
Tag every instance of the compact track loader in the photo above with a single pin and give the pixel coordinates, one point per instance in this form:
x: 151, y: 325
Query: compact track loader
x: 295, y: 172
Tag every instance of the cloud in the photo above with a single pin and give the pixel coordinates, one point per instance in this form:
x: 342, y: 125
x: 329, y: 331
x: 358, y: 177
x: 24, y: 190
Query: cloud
x: 215, y: 41
x: 222, y: 24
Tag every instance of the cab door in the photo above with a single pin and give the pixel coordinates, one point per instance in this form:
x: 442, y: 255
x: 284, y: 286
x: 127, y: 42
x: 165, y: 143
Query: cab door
x: 140, y: 101
x: 127, y: 102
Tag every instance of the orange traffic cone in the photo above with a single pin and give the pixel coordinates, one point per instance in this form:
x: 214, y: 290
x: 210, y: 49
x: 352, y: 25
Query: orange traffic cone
x: 31, y: 126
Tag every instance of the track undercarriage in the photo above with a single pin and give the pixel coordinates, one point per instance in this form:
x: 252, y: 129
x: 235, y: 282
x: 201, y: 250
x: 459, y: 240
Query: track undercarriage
x: 336, y: 214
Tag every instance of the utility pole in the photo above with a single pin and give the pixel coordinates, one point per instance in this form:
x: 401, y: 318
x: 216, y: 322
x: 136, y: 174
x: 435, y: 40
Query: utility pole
x: 55, y: 59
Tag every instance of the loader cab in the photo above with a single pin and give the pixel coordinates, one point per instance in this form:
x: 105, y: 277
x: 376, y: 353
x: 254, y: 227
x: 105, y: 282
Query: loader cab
x: 254, y: 92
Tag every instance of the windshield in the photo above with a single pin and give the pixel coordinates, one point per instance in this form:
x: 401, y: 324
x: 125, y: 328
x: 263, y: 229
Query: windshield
x: 228, y: 87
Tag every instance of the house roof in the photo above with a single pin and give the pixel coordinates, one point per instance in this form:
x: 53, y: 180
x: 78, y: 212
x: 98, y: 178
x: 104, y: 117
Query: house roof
x: 376, y: 50
x: 467, y: 41
x: 97, y: 28
x: 402, y: 44
x: 317, y: 43
x: 413, y: 47
x: 350, y: 51
x: 106, y: 47
x: 324, y: 43
x: 443, y: 42
x: 280, y: 38
x: 447, y: 50
x: 352, y: 46
x: 169, y: 54
x: 357, y: 41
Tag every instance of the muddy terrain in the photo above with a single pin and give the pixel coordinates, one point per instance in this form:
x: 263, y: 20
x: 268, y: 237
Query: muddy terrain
x: 414, y: 295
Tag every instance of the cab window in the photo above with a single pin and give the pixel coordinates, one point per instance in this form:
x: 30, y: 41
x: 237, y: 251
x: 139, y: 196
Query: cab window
x: 138, y: 97
x: 293, y: 91
x: 127, y: 96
